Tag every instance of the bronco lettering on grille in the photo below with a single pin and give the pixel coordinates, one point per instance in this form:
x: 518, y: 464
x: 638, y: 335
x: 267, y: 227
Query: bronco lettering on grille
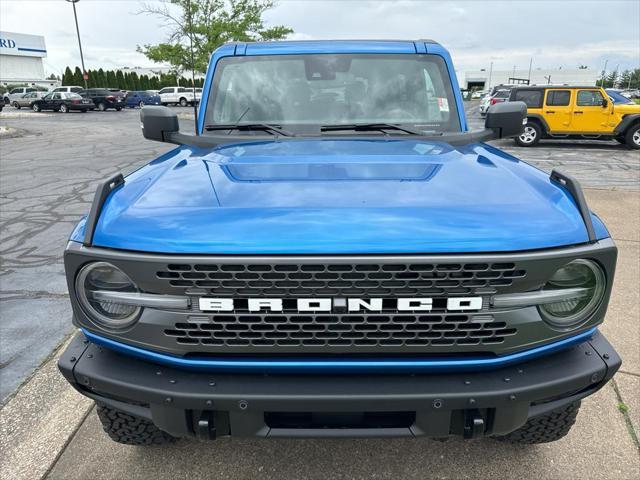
x: 409, y: 304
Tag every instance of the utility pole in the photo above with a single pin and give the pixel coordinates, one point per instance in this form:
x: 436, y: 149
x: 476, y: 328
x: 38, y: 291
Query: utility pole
x: 530, y: 64
x: 490, y: 72
x: 75, y: 15
x: 193, y: 69
x: 604, y: 72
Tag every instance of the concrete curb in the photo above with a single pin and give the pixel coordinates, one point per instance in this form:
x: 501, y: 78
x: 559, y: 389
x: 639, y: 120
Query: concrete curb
x: 38, y: 421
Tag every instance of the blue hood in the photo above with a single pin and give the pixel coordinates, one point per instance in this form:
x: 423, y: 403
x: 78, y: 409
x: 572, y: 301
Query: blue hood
x: 347, y: 196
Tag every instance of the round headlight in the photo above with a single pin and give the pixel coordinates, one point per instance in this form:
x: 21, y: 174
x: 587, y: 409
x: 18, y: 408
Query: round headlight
x: 97, y: 286
x: 584, y: 281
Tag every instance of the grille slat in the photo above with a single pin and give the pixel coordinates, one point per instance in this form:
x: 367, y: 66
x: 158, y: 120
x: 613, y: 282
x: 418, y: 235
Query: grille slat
x: 387, y: 329
x: 313, y: 280
x: 341, y: 330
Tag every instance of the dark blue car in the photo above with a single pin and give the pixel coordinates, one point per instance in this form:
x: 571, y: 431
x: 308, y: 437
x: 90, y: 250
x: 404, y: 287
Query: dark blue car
x: 336, y: 253
x: 142, y: 98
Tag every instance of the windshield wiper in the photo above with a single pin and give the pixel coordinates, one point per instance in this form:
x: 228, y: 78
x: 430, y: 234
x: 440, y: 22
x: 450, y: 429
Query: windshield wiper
x: 273, y: 129
x: 367, y: 127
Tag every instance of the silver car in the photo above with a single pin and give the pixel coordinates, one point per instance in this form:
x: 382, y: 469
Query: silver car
x: 27, y: 99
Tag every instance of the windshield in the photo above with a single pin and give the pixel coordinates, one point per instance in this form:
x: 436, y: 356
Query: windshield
x: 616, y: 97
x: 324, y: 89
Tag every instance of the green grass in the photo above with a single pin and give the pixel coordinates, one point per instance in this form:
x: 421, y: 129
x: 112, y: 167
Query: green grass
x: 623, y: 407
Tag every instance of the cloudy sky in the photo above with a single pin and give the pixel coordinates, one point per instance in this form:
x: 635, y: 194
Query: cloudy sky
x: 555, y: 33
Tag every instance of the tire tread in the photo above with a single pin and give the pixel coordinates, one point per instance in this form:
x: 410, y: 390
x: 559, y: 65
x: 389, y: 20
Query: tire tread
x: 545, y: 428
x: 129, y: 430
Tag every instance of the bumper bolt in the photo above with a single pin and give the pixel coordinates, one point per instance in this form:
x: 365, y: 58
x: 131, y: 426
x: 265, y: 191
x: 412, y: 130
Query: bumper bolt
x: 512, y: 397
x: 595, y: 377
x: 437, y: 403
x: 588, y: 352
x: 472, y: 401
x: 158, y: 372
x: 243, y: 405
x: 172, y: 381
x: 168, y: 400
x: 507, y: 379
x: 605, y: 356
x: 212, y: 384
x: 467, y: 382
x: 208, y: 403
x: 90, y: 355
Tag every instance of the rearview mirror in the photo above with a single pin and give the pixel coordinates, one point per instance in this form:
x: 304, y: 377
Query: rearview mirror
x: 158, y: 123
x: 506, y: 119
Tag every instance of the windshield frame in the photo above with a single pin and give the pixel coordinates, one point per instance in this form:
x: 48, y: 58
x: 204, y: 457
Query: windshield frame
x: 454, y: 125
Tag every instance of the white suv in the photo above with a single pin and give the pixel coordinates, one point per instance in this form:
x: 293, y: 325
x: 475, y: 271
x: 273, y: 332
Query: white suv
x: 69, y: 89
x: 182, y: 96
x: 17, y: 93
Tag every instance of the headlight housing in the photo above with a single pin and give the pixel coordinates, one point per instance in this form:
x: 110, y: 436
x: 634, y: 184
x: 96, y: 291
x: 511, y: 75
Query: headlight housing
x: 584, y: 277
x: 100, y: 277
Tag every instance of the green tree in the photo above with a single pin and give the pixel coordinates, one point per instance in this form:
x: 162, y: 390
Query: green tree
x: 67, y: 77
x: 612, y: 79
x: 208, y: 24
x: 119, y: 81
x: 77, y: 77
x: 91, y: 82
x: 101, y: 78
x: 110, y: 79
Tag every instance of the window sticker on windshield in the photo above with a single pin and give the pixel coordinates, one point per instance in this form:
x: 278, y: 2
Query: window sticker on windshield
x: 443, y: 104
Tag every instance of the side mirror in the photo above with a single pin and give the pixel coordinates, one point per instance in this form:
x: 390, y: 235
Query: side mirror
x: 506, y: 119
x: 605, y: 103
x: 158, y: 123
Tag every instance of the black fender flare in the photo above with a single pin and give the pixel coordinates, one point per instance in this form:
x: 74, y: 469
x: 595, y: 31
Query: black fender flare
x: 540, y: 119
x: 626, y: 122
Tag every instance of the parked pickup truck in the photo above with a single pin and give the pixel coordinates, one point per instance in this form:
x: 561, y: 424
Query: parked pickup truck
x: 182, y: 96
x: 335, y: 253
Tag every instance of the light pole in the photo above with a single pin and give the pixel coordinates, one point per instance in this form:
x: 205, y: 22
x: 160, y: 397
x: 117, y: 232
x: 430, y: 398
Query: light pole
x: 604, y: 72
x: 75, y: 15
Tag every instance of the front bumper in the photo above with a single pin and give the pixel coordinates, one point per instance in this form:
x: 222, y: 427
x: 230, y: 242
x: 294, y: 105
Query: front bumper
x: 470, y: 404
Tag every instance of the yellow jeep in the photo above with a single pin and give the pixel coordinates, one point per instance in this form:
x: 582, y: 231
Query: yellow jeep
x: 576, y: 113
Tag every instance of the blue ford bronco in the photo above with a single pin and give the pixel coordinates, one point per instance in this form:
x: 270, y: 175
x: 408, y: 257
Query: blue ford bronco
x: 335, y: 254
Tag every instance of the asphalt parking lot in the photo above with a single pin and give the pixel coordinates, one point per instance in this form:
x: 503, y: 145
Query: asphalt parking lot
x: 49, y: 166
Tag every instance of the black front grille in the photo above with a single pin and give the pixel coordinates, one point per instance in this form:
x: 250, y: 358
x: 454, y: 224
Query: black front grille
x: 345, y: 330
x: 340, y: 280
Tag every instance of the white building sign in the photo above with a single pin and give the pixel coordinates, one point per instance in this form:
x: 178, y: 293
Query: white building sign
x: 22, y: 45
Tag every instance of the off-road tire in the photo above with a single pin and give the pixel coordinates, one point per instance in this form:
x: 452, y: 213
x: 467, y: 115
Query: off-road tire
x: 129, y: 430
x: 530, y: 136
x: 545, y: 428
x: 632, y: 137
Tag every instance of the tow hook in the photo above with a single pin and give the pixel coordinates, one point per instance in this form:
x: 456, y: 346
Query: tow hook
x: 206, y: 429
x: 473, y: 424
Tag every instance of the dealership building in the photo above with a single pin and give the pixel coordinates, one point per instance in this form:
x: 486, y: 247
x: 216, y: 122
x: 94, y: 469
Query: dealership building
x: 486, y: 78
x: 21, y: 59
